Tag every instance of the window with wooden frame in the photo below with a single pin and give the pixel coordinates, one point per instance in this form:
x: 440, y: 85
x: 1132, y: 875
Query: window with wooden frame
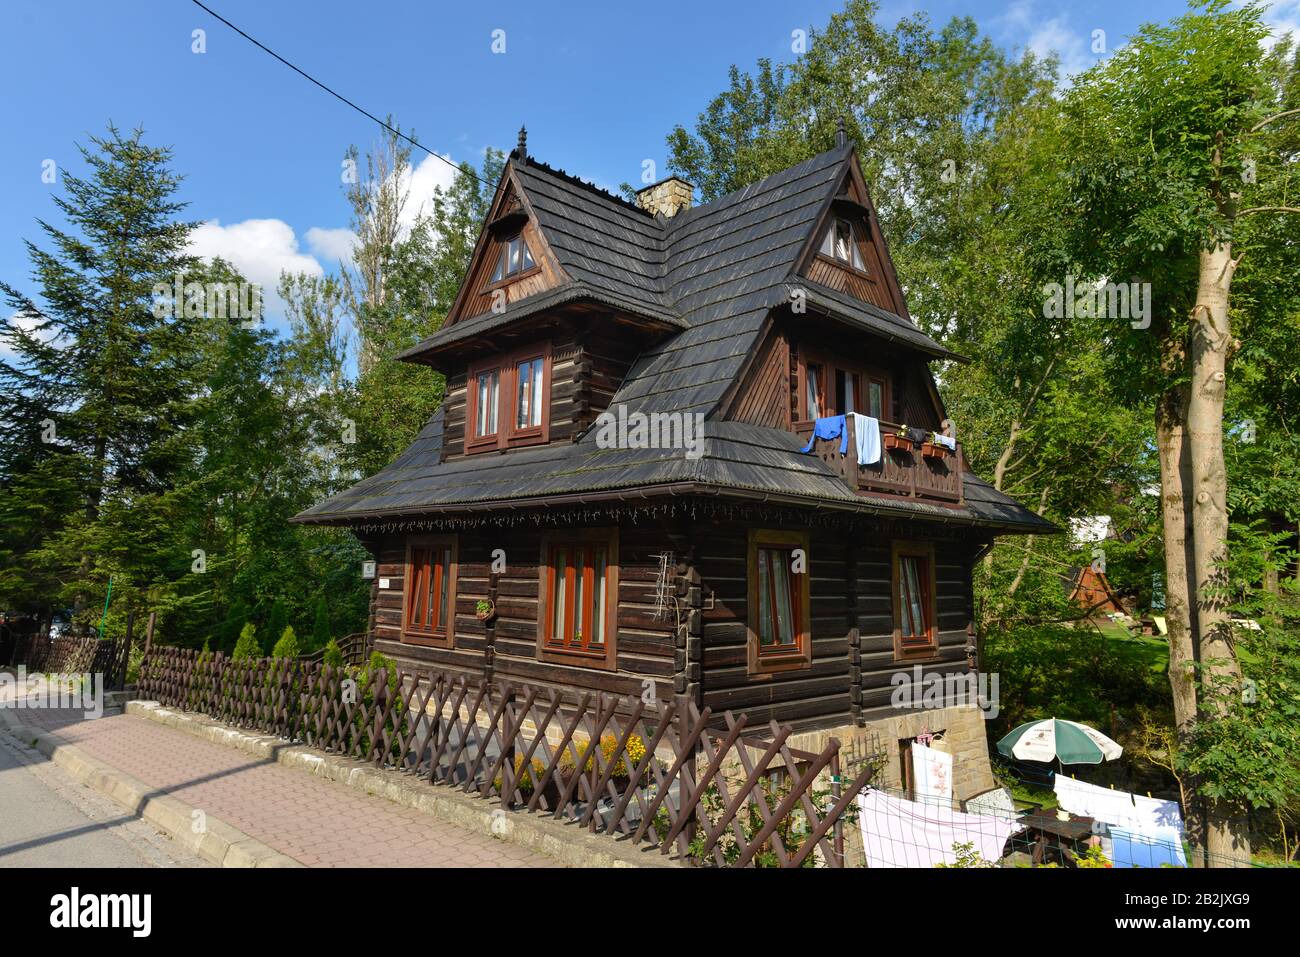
x: 513, y: 260
x: 779, y: 629
x: 834, y: 387
x: 429, y: 608
x: 508, y: 400
x: 913, y: 587
x: 843, y: 244
x: 577, y: 620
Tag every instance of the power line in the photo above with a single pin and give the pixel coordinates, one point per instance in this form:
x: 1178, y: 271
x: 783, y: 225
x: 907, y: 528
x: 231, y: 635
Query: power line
x: 338, y: 96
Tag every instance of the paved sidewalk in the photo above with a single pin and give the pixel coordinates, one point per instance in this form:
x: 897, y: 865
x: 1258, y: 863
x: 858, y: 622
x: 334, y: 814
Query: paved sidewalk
x: 315, y: 821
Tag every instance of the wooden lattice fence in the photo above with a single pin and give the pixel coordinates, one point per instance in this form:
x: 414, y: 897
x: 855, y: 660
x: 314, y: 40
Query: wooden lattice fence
x: 703, y: 786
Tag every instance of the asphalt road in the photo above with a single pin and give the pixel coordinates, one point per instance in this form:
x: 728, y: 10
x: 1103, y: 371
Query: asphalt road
x: 49, y: 820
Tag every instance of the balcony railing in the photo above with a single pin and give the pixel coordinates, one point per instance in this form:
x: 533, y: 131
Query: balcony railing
x: 905, y: 472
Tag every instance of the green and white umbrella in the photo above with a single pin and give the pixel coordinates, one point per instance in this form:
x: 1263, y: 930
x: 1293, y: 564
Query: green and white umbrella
x: 1055, y: 740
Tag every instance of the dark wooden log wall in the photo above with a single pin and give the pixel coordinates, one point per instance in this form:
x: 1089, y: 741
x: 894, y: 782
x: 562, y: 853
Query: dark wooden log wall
x: 586, y: 371
x: 646, y: 644
x: 851, y: 616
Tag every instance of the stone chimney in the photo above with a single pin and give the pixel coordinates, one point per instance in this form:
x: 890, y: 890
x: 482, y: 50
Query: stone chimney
x: 668, y: 196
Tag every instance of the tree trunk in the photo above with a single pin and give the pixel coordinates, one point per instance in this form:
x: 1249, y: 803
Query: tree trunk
x: 1210, y: 338
x: 1171, y: 439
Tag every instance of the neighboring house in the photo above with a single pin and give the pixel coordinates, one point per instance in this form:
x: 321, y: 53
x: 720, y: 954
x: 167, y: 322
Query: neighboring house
x: 1090, y: 590
x: 681, y: 570
x: 1087, y: 585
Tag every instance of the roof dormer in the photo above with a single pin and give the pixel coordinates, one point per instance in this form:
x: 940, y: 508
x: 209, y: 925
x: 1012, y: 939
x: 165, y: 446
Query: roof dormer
x: 848, y: 251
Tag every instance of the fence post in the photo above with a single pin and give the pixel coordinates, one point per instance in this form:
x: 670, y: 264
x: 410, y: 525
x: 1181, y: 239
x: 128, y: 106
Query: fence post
x: 122, y: 661
x: 686, y: 781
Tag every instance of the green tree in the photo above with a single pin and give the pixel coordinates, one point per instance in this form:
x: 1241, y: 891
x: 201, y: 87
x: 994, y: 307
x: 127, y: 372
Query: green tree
x: 95, y: 403
x: 1176, y: 164
x: 247, y: 646
x: 287, y: 645
x: 320, y: 630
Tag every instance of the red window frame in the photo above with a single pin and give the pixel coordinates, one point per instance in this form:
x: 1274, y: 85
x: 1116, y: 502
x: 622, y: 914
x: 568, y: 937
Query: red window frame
x: 508, y: 434
x: 565, y: 645
x: 764, y: 659
x: 908, y: 643
x: 429, y: 592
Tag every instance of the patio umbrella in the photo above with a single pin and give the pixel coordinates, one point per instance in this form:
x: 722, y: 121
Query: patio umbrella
x: 1055, y: 740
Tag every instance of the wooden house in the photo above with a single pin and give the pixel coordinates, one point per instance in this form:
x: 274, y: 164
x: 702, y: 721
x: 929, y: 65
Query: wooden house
x: 625, y: 557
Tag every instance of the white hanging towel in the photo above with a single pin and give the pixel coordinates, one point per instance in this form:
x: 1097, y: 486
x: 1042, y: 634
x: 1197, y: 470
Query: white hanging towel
x: 945, y: 441
x: 1143, y: 815
x: 901, y: 833
x: 932, y: 774
x: 866, y: 431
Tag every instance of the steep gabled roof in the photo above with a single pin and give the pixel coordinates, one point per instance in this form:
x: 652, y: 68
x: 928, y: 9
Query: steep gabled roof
x: 715, y: 272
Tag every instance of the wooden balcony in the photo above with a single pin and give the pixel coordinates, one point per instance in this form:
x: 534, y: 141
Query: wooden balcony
x: 901, y: 472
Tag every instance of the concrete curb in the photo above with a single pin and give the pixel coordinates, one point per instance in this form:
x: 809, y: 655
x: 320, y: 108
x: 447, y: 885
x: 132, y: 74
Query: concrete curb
x: 564, y: 843
x: 219, y: 843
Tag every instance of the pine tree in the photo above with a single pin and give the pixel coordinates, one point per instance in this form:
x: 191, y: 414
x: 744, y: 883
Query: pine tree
x: 247, y: 646
x: 278, y: 619
x: 320, y: 631
x: 95, y: 399
x: 287, y: 646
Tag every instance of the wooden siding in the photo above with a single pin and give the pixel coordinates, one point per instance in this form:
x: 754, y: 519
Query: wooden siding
x: 849, y: 588
x: 587, y: 367
x: 644, y: 645
x: 821, y: 694
x: 764, y: 396
x: 865, y: 287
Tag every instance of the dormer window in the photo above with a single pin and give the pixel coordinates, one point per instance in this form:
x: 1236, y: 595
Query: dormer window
x: 842, y: 244
x: 508, y: 400
x: 513, y: 259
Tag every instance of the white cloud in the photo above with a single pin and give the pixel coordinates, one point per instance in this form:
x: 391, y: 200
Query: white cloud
x: 331, y: 245
x: 27, y: 322
x: 420, y: 182
x: 1282, y: 17
x: 1043, y: 35
x: 1053, y: 36
x: 260, y: 249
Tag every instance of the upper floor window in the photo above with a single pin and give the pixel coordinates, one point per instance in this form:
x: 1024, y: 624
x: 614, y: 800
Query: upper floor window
x: 842, y: 244
x: 508, y: 400
x: 838, y: 388
x: 513, y: 259
x: 487, y: 395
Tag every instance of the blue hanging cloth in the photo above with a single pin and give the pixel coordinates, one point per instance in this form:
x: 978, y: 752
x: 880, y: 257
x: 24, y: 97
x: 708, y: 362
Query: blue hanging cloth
x: 830, y: 427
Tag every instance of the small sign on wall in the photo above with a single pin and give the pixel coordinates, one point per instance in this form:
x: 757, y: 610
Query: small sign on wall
x: 383, y: 583
x: 367, y: 569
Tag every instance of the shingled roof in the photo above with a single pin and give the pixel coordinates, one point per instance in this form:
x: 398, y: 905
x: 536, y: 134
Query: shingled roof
x: 715, y: 272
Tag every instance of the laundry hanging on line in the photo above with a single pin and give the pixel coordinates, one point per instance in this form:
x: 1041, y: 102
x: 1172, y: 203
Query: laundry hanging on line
x: 866, y: 435
x: 901, y: 833
x: 830, y: 427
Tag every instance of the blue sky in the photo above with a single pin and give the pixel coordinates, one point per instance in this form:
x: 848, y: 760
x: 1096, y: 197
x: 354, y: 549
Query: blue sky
x: 598, y: 84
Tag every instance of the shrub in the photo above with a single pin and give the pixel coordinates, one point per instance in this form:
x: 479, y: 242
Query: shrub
x: 635, y: 750
x: 525, y: 778
x: 333, y: 654
x: 287, y: 646
x: 247, y: 646
x: 1095, y: 857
